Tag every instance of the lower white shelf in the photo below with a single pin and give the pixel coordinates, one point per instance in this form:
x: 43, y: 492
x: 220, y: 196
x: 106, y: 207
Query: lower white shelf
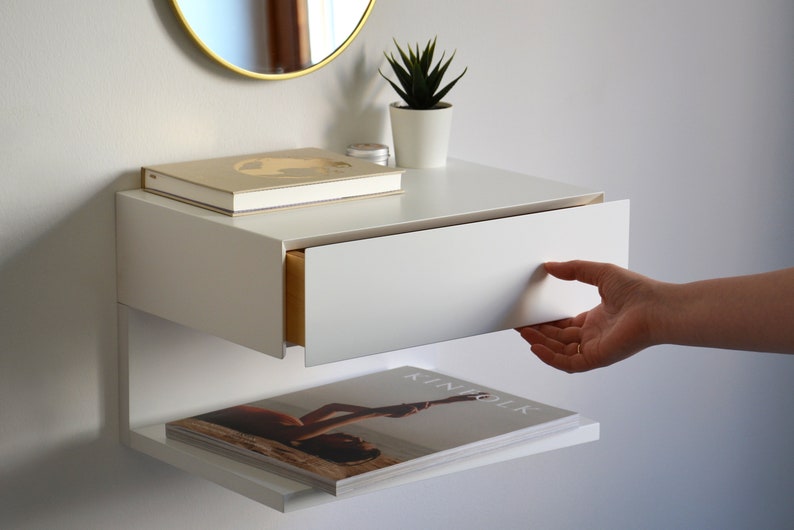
x: 287, y: 495
x: 168, y: 371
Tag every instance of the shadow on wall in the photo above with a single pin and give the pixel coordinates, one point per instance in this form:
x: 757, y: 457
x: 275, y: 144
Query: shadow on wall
x: 58, y: 359
x: 359, y: 115
x: 71, y: 481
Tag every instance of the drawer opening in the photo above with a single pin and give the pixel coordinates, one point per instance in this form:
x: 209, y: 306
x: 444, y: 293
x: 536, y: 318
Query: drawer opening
x: 295, y: 297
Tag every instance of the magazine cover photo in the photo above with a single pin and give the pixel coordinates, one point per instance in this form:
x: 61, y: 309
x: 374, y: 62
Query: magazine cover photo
x: 400, y: 419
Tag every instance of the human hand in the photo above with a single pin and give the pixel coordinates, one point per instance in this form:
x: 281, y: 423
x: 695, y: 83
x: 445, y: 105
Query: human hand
x: 617, y: 328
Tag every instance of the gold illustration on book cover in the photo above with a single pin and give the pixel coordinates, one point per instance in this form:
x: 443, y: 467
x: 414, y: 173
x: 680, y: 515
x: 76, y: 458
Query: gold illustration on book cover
x: 290, y: 167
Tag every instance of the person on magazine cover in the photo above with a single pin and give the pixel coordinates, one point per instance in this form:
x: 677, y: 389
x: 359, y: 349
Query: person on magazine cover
x: 753, y: 312
x: 311, y: 433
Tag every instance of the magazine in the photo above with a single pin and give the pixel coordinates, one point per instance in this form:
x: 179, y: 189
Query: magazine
x: 346, y: 435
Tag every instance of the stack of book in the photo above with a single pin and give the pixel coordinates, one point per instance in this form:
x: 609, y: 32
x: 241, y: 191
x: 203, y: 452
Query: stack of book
x: 351, y: 434
x: 239, y: 185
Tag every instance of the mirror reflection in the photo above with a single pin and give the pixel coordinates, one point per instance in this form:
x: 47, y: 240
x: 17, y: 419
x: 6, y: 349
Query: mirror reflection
x: 273, y: 38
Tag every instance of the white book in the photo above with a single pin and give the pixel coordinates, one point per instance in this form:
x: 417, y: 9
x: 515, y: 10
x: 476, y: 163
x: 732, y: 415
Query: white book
x: 246, y: 184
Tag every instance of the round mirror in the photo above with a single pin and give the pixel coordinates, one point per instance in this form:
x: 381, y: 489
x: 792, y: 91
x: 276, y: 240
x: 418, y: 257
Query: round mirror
x: 273, y: 39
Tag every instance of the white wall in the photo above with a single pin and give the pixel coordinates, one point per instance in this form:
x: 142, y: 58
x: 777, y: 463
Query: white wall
x: 686, y: 108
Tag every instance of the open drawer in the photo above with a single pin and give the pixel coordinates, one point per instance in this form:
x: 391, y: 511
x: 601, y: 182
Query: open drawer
x: 355, y: 298
x: 450, y: 257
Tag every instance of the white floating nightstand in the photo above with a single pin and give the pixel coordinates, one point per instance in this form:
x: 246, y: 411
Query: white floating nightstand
x: 458, y: 254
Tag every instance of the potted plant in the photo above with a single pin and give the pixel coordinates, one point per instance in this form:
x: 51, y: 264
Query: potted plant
x: 420, y: 126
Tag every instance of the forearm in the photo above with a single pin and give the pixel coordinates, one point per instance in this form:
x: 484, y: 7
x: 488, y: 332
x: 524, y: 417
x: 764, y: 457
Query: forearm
x: 753, y: 312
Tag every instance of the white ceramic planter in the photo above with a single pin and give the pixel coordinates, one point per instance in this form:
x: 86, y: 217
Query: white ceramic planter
x: 421, y: 137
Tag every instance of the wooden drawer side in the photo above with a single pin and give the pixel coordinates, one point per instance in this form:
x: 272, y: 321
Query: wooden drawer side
x: 295, y: 297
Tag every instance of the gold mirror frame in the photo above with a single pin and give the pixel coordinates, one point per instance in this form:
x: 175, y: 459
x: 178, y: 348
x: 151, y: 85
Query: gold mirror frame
x: 269, y: 75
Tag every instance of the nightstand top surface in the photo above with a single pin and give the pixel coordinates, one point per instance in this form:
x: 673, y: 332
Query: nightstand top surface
x: 459, y: 193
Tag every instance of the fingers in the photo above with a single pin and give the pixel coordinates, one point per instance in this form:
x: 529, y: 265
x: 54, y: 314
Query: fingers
x: 567, y: 362
x: 584, y: 271
x: 564, y: 334
x: 558, y: 347
x: 565, y: 341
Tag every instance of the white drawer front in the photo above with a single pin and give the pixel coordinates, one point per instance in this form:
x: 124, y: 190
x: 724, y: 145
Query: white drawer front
x: 394, y: 292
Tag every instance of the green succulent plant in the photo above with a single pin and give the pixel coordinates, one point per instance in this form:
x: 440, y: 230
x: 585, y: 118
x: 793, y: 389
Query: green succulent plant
x: 419, y: 80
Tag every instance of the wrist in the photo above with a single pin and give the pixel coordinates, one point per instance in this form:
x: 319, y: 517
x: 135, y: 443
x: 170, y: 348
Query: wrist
x: 665, y: 313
